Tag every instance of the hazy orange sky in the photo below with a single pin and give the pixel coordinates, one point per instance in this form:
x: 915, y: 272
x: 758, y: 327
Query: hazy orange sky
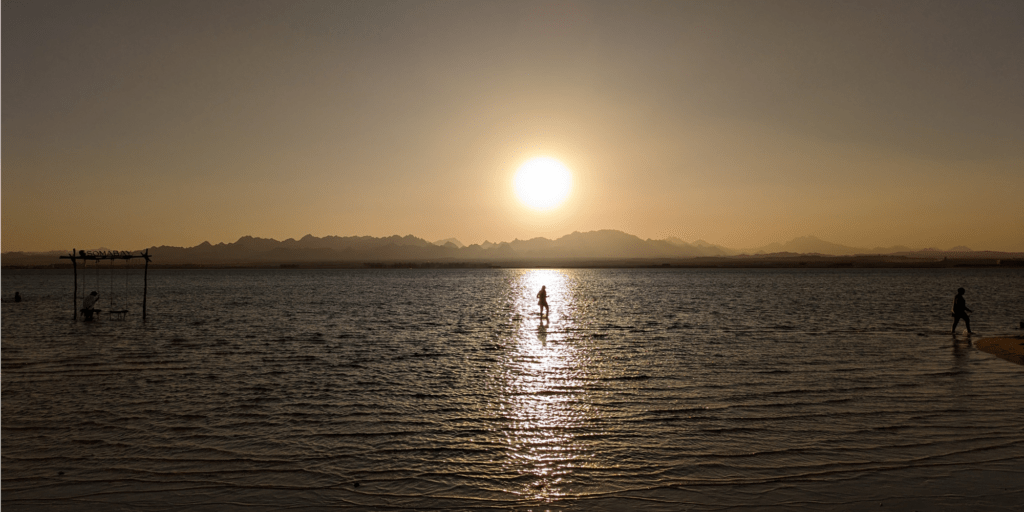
x: 868, y: 123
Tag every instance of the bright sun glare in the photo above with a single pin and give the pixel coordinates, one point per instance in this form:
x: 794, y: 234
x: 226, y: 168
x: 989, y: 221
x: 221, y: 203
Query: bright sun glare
x: 543, y: 183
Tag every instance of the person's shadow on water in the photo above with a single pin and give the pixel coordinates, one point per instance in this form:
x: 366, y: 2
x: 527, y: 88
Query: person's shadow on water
x: 542, y: 330
x: 960, y: 351
x: 961, y: 362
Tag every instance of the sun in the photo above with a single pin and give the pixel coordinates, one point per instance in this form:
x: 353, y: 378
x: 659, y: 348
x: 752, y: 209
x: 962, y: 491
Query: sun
x: 543, y: 183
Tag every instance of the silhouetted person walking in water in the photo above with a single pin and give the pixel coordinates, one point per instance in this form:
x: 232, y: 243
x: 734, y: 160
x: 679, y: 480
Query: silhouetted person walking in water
x: 960, y: 311
x: 17, y: 297
x: 542, y: 301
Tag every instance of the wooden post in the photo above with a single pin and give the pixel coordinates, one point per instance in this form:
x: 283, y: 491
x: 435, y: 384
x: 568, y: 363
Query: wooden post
x: 145, y: 284
x: 74, y: 296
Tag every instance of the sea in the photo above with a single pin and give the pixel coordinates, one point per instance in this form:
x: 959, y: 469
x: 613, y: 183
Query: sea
x: 415, y: 389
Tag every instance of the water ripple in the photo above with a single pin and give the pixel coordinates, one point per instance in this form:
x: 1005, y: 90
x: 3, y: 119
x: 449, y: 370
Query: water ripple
x: 643, y: 389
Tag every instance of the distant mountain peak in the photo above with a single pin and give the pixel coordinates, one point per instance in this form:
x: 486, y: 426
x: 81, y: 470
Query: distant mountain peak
x: 453, y: 241
x: 809, y: 244
x: 249, y: 238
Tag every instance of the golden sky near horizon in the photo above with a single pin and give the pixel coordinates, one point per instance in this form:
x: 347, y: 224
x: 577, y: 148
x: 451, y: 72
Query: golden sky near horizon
x: 875, y: 123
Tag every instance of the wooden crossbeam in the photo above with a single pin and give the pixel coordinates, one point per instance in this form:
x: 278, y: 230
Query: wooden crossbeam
x: 105, y: 257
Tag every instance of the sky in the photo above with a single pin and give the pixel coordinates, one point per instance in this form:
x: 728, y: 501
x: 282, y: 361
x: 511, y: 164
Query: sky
x: 867, y: 123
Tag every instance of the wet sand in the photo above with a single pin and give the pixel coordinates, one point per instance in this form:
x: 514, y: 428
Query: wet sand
x: 1011, y: 349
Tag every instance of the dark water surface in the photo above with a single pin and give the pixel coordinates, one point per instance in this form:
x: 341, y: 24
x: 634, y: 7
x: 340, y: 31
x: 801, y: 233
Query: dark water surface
x: 421, y: 389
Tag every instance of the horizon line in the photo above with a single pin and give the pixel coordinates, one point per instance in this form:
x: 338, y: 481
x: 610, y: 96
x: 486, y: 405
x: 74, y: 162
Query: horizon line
x: 739, y: 251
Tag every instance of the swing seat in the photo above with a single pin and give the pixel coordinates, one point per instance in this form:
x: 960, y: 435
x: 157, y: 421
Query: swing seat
x: 120, y: 314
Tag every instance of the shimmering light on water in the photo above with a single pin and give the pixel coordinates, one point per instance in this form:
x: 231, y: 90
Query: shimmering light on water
x: 543, y: 394
x: 644, y: 389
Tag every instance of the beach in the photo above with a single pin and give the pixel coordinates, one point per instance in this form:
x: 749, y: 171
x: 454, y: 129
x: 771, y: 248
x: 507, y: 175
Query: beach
x: 1009, y: 348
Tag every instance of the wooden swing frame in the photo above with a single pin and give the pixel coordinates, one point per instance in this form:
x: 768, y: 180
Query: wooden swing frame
x: 107, y: 255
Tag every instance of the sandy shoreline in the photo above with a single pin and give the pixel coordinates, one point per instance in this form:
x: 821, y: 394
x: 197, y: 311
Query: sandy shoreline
x: 1011, y: 349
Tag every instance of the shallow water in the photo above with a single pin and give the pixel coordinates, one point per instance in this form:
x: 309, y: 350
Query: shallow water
x: 423, y: 389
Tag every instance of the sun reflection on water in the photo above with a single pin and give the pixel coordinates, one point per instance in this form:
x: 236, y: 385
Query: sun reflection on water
x: 544, y: 396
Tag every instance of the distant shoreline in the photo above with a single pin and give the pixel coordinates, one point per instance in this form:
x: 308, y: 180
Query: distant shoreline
x: 736, y: 262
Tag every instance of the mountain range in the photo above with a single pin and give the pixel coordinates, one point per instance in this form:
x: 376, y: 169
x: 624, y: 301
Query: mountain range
x: 592, y: 246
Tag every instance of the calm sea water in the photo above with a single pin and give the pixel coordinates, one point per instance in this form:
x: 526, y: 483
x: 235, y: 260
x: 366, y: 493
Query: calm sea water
x: 420, y: 389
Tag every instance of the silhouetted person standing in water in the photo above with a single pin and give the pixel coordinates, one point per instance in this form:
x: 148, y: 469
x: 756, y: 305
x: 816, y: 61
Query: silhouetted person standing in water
x: 960, y: 310
x: 87, y: 305
x: 17, y: 297
x: 542, y: 301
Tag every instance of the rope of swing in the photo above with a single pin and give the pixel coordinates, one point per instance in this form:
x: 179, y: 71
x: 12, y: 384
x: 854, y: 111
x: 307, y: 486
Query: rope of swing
x: 85, y: 276
x: 96, y: 281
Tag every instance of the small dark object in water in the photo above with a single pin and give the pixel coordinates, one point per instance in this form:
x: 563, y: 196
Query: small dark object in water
x: 1022, y: 325
x: 61, y: 473
x: 17, y: 298
x: 356, y: 484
